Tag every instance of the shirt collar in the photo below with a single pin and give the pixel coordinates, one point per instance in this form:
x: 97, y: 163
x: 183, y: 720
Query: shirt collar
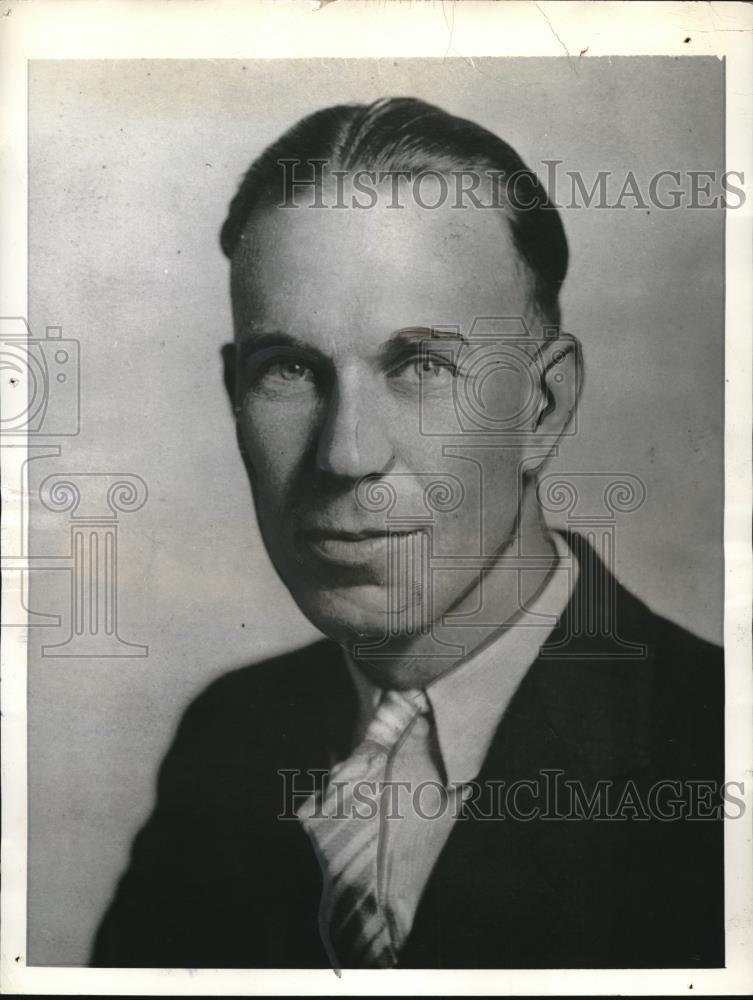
x: 469, y: 701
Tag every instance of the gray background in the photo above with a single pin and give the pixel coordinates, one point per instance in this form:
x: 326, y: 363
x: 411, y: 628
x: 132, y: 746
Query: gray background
x: 131, y: 167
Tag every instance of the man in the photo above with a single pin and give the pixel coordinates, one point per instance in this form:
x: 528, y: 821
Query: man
x: 400, y: 379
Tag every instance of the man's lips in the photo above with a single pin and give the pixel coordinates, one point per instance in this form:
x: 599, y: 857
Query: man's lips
x: 353, y: 548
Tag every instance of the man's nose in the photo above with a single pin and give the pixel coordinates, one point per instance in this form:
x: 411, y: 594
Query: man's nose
x: 354, y: 439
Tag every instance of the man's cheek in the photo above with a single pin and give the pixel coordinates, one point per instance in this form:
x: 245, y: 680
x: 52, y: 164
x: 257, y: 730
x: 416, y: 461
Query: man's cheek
x: 269, y: 452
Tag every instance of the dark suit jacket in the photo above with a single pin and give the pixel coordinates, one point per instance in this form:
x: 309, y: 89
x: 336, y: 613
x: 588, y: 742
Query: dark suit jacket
x: 216, y: 880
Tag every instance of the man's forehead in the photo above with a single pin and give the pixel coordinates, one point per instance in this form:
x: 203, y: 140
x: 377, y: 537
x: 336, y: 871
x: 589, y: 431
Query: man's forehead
x: 409, y: 265
x: 336, y: 244
x: 409, y: 219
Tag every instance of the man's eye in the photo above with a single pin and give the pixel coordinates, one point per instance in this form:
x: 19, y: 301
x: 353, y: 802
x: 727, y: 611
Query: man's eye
x: 283, y: 377
x: 289, y: 371
x: 426, y: 369
x: 280, y: 378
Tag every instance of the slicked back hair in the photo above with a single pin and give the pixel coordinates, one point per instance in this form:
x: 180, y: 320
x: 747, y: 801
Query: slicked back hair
x: 408, y: 136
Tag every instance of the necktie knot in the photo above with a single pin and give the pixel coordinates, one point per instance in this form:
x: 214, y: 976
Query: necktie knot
x: 395, y: 711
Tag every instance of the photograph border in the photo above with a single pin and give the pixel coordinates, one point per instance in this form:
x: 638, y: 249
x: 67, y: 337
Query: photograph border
x: 213, y: 29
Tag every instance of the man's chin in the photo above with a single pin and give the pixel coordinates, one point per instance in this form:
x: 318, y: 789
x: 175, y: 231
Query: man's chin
x: 360, y: 613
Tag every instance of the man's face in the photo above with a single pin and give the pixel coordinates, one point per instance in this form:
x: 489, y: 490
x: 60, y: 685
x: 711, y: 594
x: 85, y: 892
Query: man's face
x: 331, y: 308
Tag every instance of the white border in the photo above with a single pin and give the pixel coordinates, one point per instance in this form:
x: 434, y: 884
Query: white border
x: 90, y: 29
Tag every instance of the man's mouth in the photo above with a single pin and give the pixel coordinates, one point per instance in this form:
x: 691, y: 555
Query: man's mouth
x: 354, y: 548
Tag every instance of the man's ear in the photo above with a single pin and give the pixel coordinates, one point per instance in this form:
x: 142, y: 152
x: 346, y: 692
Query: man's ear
x: 559, y: 376
x: 229, y: 371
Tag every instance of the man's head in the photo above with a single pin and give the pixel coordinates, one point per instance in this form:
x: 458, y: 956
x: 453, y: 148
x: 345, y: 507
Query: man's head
x: 414, y: 282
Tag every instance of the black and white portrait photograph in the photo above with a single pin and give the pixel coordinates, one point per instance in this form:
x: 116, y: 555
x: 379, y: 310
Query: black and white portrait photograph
x: 376, y: 474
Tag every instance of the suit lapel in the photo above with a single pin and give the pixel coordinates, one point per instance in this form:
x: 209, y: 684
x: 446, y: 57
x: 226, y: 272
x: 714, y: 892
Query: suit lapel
x: 310, y: 714
x: 492, y: 877
x: 507, y: 891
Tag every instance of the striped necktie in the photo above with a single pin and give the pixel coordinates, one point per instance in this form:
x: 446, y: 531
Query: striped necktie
x: 353, y: 921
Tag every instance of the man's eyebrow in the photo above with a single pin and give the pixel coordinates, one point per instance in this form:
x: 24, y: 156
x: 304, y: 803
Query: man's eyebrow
x: 409, y: 337
x: 265, y: 341
x: 413, y: 333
